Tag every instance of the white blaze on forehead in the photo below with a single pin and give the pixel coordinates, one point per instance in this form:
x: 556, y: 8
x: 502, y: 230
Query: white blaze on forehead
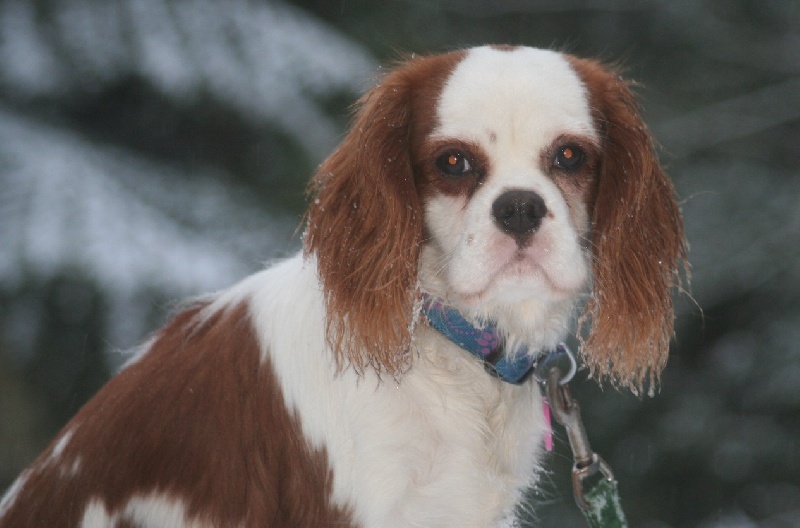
x: 524, y: 92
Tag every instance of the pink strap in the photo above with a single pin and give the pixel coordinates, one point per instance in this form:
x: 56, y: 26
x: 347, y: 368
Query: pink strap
x: 548, y: 436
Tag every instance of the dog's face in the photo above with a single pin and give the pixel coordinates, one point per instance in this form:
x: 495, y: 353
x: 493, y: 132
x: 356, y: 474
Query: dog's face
x: 512, y: 183
x: 506, y: 183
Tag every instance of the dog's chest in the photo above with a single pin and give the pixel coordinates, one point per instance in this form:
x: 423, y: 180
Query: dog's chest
x: 448, y: 445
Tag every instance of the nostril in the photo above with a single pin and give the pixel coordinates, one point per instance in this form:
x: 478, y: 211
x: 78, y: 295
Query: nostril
x: 519, y: 212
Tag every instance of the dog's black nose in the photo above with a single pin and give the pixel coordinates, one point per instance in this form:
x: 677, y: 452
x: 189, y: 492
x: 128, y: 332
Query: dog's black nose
x: 519, y: 213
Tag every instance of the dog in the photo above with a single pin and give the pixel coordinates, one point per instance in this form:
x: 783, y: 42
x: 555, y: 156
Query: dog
x: 513, y: 189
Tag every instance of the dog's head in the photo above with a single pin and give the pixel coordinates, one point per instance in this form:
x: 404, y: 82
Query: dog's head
x: 511, y: 182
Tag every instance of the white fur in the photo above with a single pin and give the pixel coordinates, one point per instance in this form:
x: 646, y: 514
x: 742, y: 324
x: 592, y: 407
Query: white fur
x: 58, y: 449
x: 13, y: 491
x: 448, y: 445
x: 152, y: 510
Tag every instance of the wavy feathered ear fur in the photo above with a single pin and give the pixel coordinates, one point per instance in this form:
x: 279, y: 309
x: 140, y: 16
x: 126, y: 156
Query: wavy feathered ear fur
x: 637, y: 241
x: 364, y: 224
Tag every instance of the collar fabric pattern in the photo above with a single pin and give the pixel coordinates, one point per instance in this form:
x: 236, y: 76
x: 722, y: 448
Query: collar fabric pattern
x: 482, y: 342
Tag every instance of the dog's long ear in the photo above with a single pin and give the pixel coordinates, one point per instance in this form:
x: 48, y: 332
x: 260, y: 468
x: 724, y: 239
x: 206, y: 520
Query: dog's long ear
x: 364, y: 224
x: 637, y: 241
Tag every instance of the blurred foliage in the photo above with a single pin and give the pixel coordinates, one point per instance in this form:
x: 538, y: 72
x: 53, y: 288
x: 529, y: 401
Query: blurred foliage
x: 200, y: 147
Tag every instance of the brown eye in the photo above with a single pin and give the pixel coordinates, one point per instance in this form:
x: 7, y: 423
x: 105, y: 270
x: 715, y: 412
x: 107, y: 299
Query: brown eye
x: 570, y: 158
x: 453, y: 164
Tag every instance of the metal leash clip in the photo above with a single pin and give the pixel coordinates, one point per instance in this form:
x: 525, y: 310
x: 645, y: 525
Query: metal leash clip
x: 593, y: 481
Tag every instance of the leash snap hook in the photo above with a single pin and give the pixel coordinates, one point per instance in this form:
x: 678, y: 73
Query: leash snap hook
x: 567, y: 412
x: 588, y: 478
x: 593, y: 483
x: 561, y: 358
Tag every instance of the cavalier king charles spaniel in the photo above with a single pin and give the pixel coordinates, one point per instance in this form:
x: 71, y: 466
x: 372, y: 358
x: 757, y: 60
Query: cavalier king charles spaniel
x: 484, y: 202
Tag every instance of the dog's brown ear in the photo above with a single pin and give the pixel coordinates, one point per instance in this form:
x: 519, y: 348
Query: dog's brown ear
x: 637, y: 241
x: 364, y: 224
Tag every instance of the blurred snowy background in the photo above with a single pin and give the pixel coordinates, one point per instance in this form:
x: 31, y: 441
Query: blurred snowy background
x: 155, y: 149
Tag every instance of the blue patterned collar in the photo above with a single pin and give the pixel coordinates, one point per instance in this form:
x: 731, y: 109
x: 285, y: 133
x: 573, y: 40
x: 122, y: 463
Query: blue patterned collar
x: 483, y: 343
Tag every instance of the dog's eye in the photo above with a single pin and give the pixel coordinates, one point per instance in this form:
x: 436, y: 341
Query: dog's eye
x: 570, y: 158
x: 453, y: 164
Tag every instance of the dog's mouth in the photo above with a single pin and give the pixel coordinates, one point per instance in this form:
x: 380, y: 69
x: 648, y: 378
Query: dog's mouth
x: 520, y: 278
